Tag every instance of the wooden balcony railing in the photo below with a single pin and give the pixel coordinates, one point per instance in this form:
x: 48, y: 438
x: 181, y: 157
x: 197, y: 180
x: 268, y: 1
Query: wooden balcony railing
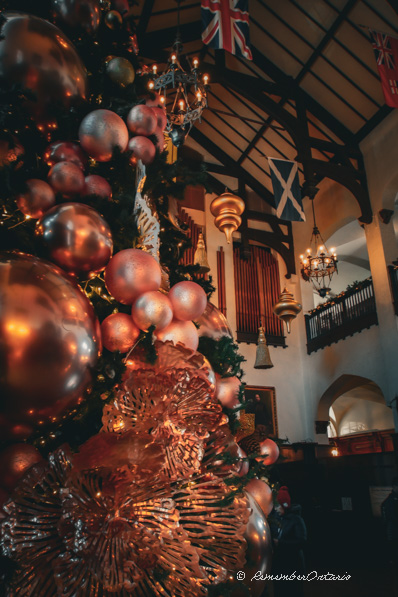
x: 393, y: 272
x: 350, y: 312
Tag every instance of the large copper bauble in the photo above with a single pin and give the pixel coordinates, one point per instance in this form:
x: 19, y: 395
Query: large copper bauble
x: 49, y: 340
x: 227, y: 391
x: 15, y: 461
x: 213, y: 323
x: 180, y: 331
x: 227, y: 209
x: 287, y: 308
x: 38, y: 56
x: 37, y: 198
x: 79, y: 13
x: 65, y: 151
x: 262, y: 493
x: 76, y: 238
x: 101, y: 132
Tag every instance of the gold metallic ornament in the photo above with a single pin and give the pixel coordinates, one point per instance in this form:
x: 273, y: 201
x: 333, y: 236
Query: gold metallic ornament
x: 227, y: 209
x: 287, y: 308
x: 200, y: 257
x: 263, y: 359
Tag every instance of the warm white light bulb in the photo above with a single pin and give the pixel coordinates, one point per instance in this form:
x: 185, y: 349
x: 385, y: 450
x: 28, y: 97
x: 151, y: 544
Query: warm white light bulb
x: 195, y: 63
x: 205, y: 79
x: 154, y: 69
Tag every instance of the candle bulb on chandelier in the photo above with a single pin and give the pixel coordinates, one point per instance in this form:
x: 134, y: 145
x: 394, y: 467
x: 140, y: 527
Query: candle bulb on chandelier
x: 206, y: 79
x: 154, y: 69
x: 195, y: 63
x: 151, y: 84
x: 173, y: 58
x: 181, y: 104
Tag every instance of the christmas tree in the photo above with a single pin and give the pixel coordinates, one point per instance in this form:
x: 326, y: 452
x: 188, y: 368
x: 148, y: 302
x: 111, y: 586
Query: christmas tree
x: 120, y: 383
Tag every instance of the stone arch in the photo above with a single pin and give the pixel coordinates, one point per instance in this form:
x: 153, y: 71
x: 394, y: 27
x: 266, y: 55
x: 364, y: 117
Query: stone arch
x: 343, y: 384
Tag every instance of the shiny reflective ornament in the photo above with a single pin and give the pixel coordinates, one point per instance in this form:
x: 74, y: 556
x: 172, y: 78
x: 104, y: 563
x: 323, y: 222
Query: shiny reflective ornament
x: 97, y: 185
x: 180, y: 331
x: 113, y: 20
x: 227, y: 391
x: 142, y: 149
x: 223, y: 456
x: 37, y: 55
x: 15, y: 461
x: 101, y: 132
x: 142, y: 120
x: 263, y: 359
x: 287, y: 308
x: 132, y: 272
x: 64, y: 151
x: 262, y: 493
x: 152, y: 308
x: 161, y: 117
x: 188, y: 299
x: 37, y: 199
x: 213, y: 323
x: 227, y: 209
x: 200, y: 257
x: 119, y: 332
x: 269, y: 451
x: 78, y: 13
x: 49, y: 337
x: 76, y: 238
x: 177, y: 136
x: 120, y: 71
x: 67, y: 179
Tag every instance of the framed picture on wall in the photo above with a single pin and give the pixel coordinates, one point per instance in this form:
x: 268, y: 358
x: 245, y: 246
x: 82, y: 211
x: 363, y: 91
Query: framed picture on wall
x: 261, y: 410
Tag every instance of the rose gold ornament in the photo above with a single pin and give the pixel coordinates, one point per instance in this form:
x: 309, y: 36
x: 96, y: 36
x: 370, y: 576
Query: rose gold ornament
x: 142, y: 120
x: 76, y: 238
x: 15, y: 461
x: 213, y: 323
x: 188, y: 299
x: 227, y: 209
x: 79, y: 13
x: 132, y: 272
x: 143, y: 149
x: 66, y: 178
x: 227, y: 391
x: 49, y: 334
x: 37, y: 199
x: 64, y: 151
x: 180, y: 331
x: 161, y: 117
x: 119, y: 332
x: 269, y: 452
x: 287, y: 308
x: 101, y: 132
x: 152, y: 308
x: 97, y: 185
x: 262, y: 493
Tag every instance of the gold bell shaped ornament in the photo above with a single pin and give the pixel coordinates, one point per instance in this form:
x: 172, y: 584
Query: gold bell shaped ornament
x: 263, y: 359
x: 287, y: 308
x: 227, y: 209
x: 200, y: 257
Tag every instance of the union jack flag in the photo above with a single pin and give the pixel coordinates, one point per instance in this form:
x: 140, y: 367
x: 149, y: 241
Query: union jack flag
x: 385, y: 50
x: 226, y: 26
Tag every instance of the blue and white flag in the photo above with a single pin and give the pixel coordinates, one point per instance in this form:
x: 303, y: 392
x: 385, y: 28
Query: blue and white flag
x: 286, y: 185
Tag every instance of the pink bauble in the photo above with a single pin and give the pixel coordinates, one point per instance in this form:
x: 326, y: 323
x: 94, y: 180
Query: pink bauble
x: 269, y: 452
x: 101, y: 132
x: 152, y: 308
x: 180, y: 331
x: 132, y: 272
x: 142, y: 120
x: 64, y: 151
x: 37, y: 198
x: 227, y: 391
x: 66, y: 178
x: 97, y: 185
x: 15, y: 462
x: 161, y: 117
x: 188, y: 299
x: 143, y: 149
x: 156, y: 102
x: 159, y: 139
x: 262, y: 493
x: 119, y: 332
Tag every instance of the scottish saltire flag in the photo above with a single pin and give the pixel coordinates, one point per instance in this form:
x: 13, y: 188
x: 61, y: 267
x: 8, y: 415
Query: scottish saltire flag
x: 286, y: 185
x: 226, y: 26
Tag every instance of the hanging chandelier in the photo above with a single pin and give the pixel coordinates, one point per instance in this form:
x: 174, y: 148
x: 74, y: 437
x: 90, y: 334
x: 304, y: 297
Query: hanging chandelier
x: 318, y: 265
x: 182, y: 92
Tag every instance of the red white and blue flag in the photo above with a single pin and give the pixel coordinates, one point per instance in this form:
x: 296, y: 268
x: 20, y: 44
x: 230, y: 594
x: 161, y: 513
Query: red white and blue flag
x: 385, y: 50
x: 226, y: 26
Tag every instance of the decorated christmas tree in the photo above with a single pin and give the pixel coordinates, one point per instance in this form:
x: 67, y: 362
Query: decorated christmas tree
x: 120, y: 383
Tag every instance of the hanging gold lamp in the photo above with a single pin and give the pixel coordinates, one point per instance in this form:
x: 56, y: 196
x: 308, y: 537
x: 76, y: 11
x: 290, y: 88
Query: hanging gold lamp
x: 227, y: 209
x: 263, y: 359
x: 287, y: 308
x: 200, y: 257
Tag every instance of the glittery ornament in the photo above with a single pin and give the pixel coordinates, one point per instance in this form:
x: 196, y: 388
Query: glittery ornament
x: 142, y: 149
x: 120, y: 71
x: 64, y: 151
x: 37, y: 199
x: 131, y: 272
x: 262, y: 493
x: 227, y: 391
x: 15, y: 461
x: 152, y: 308
x: 101, y: 132
x: 180, y: 331
x: 188, y: 299
x: 119, y: 332
x: 66, y: 178
x: 142, y: 120
x: 97, y: 185
x: 76, y: 238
